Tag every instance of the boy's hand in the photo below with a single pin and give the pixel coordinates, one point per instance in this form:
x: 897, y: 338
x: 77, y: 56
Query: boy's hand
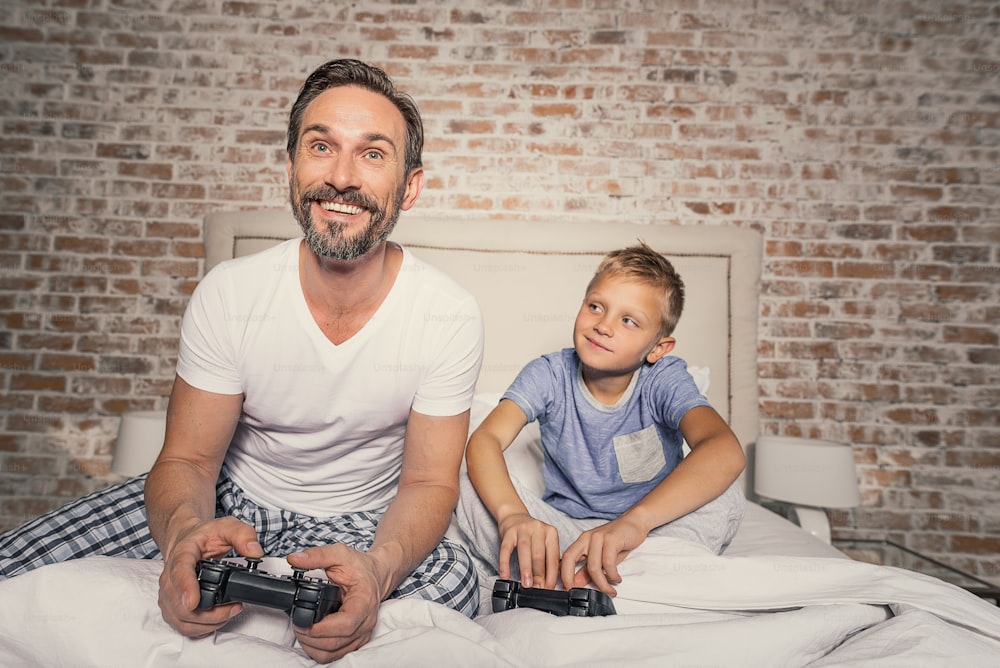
x: 602, y: 549
x: 537, y: 545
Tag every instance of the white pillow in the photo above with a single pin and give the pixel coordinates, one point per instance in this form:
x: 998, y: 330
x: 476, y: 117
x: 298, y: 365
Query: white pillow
x: 702, y: 378
x: 524, y: 455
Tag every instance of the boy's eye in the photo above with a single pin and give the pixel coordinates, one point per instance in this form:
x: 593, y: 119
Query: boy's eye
x: 630, y: 322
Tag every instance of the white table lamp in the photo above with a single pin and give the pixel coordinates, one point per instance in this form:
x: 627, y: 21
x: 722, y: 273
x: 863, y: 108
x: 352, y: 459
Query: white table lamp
x: 140, y: 438
x: 810, y: 475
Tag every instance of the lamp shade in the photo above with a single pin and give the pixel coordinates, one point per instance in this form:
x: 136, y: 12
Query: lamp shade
x: 140, y: 438
x: 806, y: 471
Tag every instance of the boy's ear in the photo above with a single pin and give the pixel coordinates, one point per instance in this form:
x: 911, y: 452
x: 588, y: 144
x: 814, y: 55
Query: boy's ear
x: 662, y: 347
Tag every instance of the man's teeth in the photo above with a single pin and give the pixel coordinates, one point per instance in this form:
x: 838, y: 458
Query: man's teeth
x: 338, y: 207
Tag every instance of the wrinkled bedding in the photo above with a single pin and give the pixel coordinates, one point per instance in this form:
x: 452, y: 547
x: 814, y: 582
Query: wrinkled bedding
x: 678, y: 605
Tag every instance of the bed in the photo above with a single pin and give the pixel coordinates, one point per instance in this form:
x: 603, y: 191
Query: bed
x: 778, y: 596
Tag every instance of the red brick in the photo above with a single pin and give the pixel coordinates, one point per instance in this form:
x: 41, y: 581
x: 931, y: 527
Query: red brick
x: 984, y: 336
x: 123, y: 151
x: 16, y: 362
x: 141, y: 248
x: 178, y: 191
x: 65, y: 404
x: 80, y: 245
x: 37, y: 382
x: 62, y: 362
x: 169, y: 268
x: 987, y: 545
x: 865, y: 270
x: 787, y: 410
x: 44, y: 341
x: 172, y: 230
x: 156, y: 171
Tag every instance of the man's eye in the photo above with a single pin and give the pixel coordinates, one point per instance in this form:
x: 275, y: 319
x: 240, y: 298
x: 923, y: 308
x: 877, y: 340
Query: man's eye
x: 320, y: 148
x: 373, y: 155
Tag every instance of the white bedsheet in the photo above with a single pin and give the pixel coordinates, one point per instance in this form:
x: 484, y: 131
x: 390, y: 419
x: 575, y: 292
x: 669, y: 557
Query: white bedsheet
x: 103, y: 612
x: 678, y: 605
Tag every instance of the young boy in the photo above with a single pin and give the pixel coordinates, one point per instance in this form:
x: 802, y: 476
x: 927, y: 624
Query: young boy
x: 613, y: 411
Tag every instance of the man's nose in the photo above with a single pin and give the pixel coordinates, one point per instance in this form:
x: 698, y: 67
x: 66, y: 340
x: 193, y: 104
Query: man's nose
x: 343, y: 173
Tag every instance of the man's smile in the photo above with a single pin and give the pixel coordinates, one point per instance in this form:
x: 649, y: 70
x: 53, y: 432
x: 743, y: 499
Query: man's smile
x: 340, y: 207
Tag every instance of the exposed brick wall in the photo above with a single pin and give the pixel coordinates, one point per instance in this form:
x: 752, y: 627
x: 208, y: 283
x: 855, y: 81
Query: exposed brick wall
x: 859, y: 137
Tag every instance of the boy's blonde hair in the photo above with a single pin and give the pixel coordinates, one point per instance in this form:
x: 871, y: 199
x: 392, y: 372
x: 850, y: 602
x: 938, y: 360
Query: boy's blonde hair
x: 643, y: 264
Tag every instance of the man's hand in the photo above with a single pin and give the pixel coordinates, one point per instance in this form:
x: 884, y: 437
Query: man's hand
x: 602, y: 549
x: 361, y: 578
x: 537, y: 545
x: 179, y: 590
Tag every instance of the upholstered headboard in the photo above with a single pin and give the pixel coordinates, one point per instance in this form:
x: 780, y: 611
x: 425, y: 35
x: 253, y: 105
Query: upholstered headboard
x: 529, y: 279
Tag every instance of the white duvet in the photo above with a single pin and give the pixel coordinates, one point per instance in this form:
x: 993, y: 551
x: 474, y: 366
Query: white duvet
x: 678, y: 605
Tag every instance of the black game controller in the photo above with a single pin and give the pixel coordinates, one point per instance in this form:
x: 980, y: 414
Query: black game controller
x: 306, y: 600
x: 577, y: 602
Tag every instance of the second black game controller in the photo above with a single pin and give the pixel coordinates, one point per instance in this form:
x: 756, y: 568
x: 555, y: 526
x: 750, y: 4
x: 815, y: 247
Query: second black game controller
x: 577, y: 602
x: 306, y: 600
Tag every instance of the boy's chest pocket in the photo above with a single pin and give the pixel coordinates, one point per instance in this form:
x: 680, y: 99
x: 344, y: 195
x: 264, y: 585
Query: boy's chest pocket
x: 639, y: 454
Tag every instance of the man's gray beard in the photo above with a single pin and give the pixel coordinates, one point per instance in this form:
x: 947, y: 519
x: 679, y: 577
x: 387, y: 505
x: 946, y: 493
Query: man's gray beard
x: 332, y: 244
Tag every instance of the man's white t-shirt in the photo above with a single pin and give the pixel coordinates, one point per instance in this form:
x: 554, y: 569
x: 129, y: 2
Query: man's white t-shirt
x: 323, y: 425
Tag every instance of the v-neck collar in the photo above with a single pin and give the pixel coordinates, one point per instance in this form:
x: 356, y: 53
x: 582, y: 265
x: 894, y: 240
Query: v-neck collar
x: 365, y: 331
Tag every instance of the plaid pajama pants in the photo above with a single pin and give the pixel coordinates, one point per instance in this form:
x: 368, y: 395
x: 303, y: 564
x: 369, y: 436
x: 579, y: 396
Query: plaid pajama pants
x: 112, y: 522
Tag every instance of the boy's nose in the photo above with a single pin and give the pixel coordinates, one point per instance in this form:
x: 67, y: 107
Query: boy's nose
x: 603, y: 327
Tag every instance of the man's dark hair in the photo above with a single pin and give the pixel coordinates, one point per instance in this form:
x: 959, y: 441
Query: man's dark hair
x: 349, y: 72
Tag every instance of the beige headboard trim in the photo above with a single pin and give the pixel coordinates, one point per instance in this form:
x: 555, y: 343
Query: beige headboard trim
x: 225, y: 232
x: 529, y: 278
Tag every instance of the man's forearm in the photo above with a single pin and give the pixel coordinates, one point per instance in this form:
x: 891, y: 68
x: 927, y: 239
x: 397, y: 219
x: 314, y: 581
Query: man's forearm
x: 411, y: 527
x: 180, y: 489
x: 177, y: 497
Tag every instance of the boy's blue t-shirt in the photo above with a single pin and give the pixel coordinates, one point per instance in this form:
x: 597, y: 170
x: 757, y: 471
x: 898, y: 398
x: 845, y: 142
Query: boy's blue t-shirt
x: 601, y: 460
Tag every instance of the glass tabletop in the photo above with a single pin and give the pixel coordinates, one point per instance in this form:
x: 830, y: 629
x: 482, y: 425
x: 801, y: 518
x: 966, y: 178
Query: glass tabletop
x: 889, y: 553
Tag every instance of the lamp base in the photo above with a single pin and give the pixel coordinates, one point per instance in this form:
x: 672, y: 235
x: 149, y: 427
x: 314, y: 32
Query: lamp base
x: 813, y: 520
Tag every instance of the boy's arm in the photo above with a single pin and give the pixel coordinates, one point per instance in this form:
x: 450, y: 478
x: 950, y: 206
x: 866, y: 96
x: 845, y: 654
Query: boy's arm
x: 715, y: 461
x: 537, y: 543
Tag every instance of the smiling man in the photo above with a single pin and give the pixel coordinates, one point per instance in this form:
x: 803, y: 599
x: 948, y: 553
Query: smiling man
x: 319, y: 413
x: 325, y: 174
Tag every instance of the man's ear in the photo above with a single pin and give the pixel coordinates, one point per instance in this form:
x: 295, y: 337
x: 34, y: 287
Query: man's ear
x: 414, y: 184
x: 662, y: 347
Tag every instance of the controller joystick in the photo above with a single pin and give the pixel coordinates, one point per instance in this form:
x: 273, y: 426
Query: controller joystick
x: 306, y: 600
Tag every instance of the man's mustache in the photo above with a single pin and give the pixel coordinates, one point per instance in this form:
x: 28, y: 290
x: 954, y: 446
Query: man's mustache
x: 347, y: 196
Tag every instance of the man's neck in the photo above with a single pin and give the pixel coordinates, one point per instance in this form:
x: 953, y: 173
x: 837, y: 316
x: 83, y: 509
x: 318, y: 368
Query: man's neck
x: 343, y: 295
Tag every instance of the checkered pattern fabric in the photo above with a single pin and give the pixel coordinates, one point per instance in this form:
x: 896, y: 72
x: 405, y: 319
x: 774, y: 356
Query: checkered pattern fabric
x: 112, y: 522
